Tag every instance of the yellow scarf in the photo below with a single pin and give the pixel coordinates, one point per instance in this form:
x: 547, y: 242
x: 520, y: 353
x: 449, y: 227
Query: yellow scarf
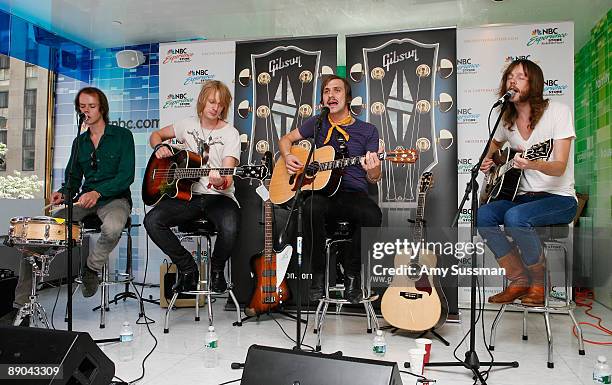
x: 347, y: 120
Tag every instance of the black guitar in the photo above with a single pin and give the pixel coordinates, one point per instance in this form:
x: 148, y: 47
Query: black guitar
x: 502, y: 180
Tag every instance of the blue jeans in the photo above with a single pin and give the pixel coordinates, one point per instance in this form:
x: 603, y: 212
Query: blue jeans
x: 520, y: 219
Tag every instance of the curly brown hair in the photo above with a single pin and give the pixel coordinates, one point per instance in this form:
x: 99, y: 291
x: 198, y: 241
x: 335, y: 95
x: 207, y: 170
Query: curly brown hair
x: 535, y: 97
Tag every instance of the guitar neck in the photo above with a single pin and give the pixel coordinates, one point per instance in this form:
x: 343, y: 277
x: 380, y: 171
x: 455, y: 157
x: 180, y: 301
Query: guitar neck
x: 345, y: 162
x: 418, y: 222
x: 200, y: 172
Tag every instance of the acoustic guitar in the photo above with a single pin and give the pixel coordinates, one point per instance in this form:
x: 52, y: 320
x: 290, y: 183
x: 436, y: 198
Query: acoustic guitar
x: 502, y: 181
x: 324, y: 174
x: 415, y: 301
x: 175, y: 175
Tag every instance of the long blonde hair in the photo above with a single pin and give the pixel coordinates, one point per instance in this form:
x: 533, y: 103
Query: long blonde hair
x: 212, y: 86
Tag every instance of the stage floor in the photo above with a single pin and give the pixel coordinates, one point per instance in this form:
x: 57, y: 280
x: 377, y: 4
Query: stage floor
x: 178, y: 357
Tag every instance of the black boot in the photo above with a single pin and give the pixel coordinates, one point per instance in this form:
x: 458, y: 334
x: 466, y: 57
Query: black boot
x: 217, y: 281
x: 186, y: 281
x: 317, y: 287
x: 352, y: 287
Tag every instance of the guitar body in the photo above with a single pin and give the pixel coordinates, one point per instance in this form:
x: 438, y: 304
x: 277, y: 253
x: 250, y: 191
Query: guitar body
x: 284, y: 185
x: 502, y: 181
x: 415, y: 303
x: 271, y: 287
x: 154, y: 187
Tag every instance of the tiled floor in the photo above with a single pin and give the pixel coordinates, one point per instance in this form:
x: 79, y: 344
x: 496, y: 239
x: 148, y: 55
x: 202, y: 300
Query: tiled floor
x: 178, y: 358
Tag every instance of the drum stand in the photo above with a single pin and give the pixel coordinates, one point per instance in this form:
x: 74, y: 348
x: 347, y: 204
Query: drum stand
x: 33, y: 308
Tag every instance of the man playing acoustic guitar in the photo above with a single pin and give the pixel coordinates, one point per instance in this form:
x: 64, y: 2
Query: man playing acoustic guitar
x: 355, y: 138
x: 545, y: 194
x: 209, y: 135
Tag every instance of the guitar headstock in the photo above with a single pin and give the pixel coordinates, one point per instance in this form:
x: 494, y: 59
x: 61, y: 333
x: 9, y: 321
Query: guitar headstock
x: 260, y: 172
x: 402, y: 156
x: 426, y: 181
x: 540, y: 150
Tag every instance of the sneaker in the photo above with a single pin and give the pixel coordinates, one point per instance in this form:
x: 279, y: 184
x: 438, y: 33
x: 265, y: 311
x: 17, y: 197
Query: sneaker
x: 90, y: 282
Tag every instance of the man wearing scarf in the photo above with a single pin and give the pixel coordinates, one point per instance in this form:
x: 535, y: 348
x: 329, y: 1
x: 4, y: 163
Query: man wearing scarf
x: 349, y: 137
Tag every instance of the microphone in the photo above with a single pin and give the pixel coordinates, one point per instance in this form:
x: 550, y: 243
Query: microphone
x: 323, y: 115
x: 82, y: 118
x: 507, y: 96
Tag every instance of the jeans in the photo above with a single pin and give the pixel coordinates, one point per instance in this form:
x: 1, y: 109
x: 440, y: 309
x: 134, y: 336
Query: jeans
x: 221, y: 210
x: 357, y: 208
x: 520, y: 219
x: 113, y: 215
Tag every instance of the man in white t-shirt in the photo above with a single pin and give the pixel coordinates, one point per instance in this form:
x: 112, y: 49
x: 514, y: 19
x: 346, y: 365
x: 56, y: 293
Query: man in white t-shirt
x: 209, y: 135
x: 546, y: 193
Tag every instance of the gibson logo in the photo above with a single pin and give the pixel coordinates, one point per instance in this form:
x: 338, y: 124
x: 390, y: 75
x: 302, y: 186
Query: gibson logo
x: 278, y: 64
x: 394, y: 57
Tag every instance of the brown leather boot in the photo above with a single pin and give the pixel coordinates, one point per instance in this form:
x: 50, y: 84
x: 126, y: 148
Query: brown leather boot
x: 516, y: 274
x: 535, y: 294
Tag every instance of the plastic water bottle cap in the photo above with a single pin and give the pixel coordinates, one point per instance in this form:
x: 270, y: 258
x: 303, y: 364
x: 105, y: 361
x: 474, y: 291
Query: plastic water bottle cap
x: 211, y: 328
x: 601, y: 359
x: 379, y: 332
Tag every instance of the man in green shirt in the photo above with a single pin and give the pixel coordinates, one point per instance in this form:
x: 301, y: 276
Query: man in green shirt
x: 103, y: 172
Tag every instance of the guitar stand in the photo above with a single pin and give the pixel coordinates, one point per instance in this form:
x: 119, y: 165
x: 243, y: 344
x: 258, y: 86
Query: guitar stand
x: 438, y: 336
x: 280, y: 312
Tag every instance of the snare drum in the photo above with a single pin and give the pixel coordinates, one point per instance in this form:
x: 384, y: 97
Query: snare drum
x: 42, y: 231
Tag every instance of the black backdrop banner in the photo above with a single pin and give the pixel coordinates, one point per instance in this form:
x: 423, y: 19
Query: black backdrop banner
x: 277, y: 87
x: 405, y: 84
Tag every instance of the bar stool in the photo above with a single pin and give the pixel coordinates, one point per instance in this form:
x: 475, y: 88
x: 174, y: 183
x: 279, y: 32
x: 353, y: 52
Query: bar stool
x: 552, y: 237
x: 197, y: 230
x: 92, y: 225
x: 340, y: 233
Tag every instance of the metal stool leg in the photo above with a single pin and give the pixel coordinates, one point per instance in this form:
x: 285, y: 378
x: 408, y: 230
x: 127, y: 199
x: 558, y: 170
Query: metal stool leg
x: 238, y: 322
x: 317, y: 315
x: 321, y: 322
x: 168, y: 310
x: 525, y: 337
x: 578, y: 331
x: 496, y: 322
x: 103, y: 296
x: 198, y: 287
x: 549, y: 337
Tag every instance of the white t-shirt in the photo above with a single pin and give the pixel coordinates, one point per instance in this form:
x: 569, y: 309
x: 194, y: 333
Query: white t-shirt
x: 222, y: 142
x: 556, y: 123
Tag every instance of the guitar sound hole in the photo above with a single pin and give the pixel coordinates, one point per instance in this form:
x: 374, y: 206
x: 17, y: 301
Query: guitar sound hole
x: 171, y: 170
x: 414, y: 272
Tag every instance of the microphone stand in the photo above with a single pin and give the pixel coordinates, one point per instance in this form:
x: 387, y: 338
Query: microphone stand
x: 297, y: 201
x: 471, y: 361
x: 68, y: 197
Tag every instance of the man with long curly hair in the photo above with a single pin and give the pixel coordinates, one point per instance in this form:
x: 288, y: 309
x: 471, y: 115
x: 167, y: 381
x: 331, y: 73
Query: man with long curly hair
x: 546, y: 194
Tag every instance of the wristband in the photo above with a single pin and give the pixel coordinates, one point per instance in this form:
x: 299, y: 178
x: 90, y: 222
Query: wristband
x: 222, y: 186
x: 158, y: 146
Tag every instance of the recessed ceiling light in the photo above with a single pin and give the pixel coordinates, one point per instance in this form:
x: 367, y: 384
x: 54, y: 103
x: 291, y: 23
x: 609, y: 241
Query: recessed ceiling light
x: 118, y: 22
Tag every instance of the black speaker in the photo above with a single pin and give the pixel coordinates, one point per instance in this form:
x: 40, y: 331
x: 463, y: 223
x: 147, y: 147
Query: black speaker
x: 80, y: 360
x: 304, y: 368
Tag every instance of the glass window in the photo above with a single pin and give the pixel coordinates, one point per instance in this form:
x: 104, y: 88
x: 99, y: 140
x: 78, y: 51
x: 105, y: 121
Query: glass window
x: 4, y: 99
x: 5, y: 62
x: 31, y: 71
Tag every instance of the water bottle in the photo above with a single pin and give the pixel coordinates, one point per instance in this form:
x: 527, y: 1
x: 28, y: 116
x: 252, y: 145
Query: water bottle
x: 601, y: 372
x: 211, y: 348
x: 126, y: 338
x: 379, y: 346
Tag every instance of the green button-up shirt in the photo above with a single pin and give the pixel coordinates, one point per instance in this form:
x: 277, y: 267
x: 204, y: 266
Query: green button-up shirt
x: 113, y: 172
